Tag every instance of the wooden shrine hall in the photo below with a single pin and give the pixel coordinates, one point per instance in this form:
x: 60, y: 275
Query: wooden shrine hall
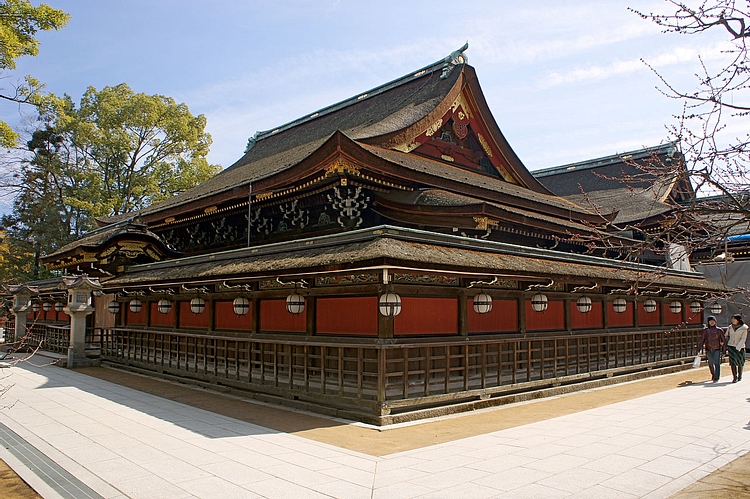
x: 385, y: 258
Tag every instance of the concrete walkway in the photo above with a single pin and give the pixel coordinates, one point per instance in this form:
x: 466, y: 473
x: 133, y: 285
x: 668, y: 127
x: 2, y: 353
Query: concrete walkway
x: 118, y: 442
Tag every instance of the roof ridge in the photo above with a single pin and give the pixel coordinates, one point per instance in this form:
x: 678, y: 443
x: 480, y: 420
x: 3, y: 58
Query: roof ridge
x: 668, y: 148
x: 455, y: 58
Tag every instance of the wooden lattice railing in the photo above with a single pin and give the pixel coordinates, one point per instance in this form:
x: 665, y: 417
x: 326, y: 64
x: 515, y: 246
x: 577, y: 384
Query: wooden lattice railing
x: 396, y: 376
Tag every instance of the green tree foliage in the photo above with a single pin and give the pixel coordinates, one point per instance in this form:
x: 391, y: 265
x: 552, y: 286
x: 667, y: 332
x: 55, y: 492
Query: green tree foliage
x: 142, y: 148
x: 19, y: 24
x: 116, y: 152
x: 47, y: 212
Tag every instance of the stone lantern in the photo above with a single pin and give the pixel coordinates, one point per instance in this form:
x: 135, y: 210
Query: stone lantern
x: 78, y: 307
x: 21, y: 304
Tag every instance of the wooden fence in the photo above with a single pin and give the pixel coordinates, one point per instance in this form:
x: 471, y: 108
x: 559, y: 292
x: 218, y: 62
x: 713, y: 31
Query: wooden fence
x: 384, y: 378
x: 52, y: 337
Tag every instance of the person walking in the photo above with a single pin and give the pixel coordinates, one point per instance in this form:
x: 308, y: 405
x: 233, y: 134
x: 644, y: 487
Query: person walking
x: 736, y: 337
x: 714, y: 342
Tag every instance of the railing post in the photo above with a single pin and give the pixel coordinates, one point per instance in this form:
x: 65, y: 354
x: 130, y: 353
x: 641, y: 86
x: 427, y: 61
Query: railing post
x: 381, y: 380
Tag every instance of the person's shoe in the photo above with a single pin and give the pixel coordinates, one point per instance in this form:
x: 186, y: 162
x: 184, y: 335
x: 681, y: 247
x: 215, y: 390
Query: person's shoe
x: 734, y: 380
x: 715, y: 381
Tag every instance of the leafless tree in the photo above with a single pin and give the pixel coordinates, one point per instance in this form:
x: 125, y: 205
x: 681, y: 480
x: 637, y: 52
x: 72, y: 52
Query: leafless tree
x: 712, y: 128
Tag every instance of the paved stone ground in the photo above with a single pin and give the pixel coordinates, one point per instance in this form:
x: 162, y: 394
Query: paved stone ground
x: 167, y: 440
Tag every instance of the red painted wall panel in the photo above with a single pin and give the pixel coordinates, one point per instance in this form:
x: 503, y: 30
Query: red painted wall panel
x: 189, y: 319
x: 622, y: 319
x: 225, y: 318
x: 427, y: 316
x: 159, y: 319
x: 648, y: 319
x: 358, y: 315
x: 131, y: 318
x: 694, y: 317
x: 552, y: 319
x: 590, y: 320
x: 274, y: 317
x: 670, y: 318
x: 502, y: 318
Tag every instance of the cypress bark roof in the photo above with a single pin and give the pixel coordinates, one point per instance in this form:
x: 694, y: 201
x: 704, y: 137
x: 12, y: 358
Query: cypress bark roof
x: 521, y: 194
x: 411, y: 248
x: 379, y: 121
x: 383, y: 110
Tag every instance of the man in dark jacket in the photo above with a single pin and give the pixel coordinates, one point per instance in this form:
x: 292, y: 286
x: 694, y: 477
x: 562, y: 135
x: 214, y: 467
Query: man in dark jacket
x: 715, y: 343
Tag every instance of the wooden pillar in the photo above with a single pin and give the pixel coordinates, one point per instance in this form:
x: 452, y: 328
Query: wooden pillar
x: 147, y: 304
x: 522, y: 314
x: 310, y: 310
x: 636, y: 314
x: 385, y: 326
x: 685, y: 311
x: 255, y: 318
x: 176, y: 318
x: 463, y: 311
x: 661, y: 311
x: 211, y: 314
x: 605, y: 314
x: 568, y: 314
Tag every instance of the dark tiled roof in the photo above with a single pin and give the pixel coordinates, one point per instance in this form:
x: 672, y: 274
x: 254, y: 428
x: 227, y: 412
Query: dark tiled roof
x: 723, y: 214
x: 614, y: 183
x: 664, y: 151
x: 386, y: 109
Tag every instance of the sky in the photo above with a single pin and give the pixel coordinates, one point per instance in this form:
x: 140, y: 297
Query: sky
x: 564, y: 79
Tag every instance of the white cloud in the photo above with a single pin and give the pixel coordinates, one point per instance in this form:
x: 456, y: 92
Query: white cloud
x: 531, y: 35
x: 674, y: 56
x: 288, y: 89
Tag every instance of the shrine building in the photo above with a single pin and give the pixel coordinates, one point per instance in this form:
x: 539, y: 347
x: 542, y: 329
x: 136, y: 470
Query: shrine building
x: 385, y: 258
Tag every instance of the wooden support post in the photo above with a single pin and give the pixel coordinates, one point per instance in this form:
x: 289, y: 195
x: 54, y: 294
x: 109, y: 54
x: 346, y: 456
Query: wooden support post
x: 605, y: 314
x: 310, y: 310
x: 176, y: 321
x: 211, y: 314
x: 463, y: 311
x: 636, y: 314
x: 385, y: 326
x: 661, y: 304
x: 255, y: 318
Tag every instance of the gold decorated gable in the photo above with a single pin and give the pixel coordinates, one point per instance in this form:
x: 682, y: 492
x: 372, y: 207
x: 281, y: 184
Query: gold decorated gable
x: 466, y: 121
x: 341, y: 166
x: 132, y: 246
x: 461, y: 103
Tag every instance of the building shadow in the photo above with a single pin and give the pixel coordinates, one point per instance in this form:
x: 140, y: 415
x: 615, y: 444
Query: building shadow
x: 206, y: 413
